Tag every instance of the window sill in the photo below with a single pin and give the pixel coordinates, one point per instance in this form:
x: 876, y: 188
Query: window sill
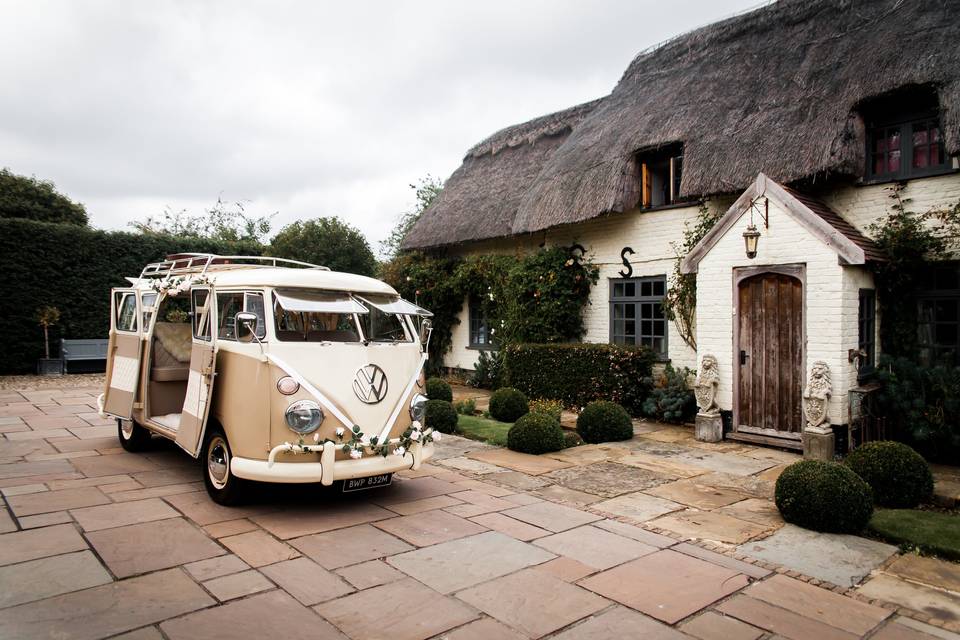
x: 481, y: 347
x: 865, y: 182
x: 675, y: 205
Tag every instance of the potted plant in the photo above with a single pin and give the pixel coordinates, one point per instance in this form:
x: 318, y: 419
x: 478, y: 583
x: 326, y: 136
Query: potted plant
x: 47, y: 317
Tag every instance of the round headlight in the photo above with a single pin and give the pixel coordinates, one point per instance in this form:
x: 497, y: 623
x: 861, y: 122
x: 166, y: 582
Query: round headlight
x: 287, y: 386
x: 304, y: 416
x: 418, y: 407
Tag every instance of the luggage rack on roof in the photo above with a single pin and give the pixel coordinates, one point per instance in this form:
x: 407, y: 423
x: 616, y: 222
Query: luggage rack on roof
x: 182, y: 263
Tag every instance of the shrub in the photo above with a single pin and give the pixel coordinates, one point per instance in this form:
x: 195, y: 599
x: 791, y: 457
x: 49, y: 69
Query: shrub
x: 824, y: 496
x: 571, y: 439
x: 576, y: 373
x: 438, y: 389
x: 553, y: 408
x: 899, y: 476
x: 466, y: 407
x: 535, y: 433
x: 488, y: 370
x: 671, y: 399
x: 508, y: 404
x: 604, y: 421
x: 441, y: 415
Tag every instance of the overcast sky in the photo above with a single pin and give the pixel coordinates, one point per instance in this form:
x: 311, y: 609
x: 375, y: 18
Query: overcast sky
x: 302, y: 108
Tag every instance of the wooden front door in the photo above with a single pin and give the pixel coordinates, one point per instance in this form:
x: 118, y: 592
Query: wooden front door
x: 770, y: 343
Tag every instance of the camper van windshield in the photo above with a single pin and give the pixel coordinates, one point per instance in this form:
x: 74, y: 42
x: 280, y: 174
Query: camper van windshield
x: 315, y: 316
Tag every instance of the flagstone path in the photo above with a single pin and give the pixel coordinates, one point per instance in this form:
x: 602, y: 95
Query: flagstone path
x: 657, y: 537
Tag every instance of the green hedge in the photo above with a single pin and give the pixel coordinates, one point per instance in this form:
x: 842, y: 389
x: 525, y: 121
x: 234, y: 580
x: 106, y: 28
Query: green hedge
x: 72, y: 268
x: 578, y: 373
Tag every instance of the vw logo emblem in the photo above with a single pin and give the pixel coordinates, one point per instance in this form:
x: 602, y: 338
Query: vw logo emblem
x: 370, y: 384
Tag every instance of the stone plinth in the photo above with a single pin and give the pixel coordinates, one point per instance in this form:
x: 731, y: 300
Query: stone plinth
x: 708, y: 427
x: 819, y: 443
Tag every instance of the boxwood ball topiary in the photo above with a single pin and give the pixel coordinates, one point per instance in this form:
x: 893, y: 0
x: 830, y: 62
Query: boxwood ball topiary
x: 508, y: 404
x: 535, y: 433
x: 604, y: 421
x: 438, y: 389
x: 441, y: 415
x: 899, y: 476
x: 824, y: 496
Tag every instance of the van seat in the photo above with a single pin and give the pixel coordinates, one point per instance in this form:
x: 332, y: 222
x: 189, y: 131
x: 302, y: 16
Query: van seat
x: 171, y: 352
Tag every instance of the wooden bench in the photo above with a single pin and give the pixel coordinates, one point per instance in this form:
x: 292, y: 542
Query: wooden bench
x: 83, y: 351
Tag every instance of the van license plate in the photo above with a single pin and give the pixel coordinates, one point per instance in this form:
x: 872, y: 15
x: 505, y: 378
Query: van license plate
x: 358, y: 484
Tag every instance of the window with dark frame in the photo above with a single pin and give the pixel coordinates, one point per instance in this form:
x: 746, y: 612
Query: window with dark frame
x: 480, y: 335
x: 867, y: 331
x: 905, y: 144
x: 938, y: 307
x: 660, y: 174
x: 636, y: 313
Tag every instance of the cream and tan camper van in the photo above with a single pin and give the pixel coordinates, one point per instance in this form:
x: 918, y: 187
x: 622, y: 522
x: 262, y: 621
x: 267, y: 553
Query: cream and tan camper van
x: 269, y: 370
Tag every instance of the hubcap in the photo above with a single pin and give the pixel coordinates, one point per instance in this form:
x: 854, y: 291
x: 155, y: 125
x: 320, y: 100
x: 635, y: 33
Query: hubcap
x: 218, y: 462
x: 126, y: 428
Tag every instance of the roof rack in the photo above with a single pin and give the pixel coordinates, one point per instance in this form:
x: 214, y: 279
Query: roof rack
x: 182, y: 263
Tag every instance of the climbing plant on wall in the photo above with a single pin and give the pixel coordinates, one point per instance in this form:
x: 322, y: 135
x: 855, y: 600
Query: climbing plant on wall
x: 680, y: 302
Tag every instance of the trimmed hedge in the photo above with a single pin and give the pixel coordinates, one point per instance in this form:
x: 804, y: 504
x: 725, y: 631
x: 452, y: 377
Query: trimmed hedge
x: 438, y: 389
x: 535, y: 433
x: 441, y: 415
x: 577, y: 373
x: 508, y: 404
x: 824, y: 496
x: 73, y: 268
x: 604, y: 421
x: 553, y: 408
x: 899, y: 476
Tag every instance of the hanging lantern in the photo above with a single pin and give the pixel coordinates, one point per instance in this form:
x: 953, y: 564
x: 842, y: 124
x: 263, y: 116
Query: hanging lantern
x: 750, y: 239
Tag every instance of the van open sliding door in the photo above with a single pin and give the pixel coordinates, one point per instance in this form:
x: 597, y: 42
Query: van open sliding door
x: 123, y: 354
x: 203, y: 359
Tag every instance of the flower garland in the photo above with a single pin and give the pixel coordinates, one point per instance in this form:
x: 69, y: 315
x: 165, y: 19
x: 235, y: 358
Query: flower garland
x: 358, y: 444
x: 175, y: 285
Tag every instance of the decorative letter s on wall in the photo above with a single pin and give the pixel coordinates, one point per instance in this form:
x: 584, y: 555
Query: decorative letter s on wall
x: 628, y: 271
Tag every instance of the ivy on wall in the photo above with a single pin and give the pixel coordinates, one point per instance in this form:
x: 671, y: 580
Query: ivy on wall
x: 680, y: 302
x: 538, y: 297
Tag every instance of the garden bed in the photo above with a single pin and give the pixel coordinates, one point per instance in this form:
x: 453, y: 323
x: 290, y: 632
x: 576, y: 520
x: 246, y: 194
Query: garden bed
x: 484, y: 429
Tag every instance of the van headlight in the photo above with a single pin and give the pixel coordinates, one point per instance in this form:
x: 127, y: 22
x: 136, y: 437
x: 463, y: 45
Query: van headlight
x: 304, y: 416
x: 418, y: 407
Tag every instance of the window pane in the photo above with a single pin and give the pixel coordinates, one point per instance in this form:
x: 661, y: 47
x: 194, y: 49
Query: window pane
x: 658, y: 287
x: 127, y: 314
x: 657, y: 311
x: 646, y: 328
x: 630, y: 327
x: 630, y: 311
x: 228, y: 306
x: 253, y: 303
x: 920, y: 135
x: 879, y: 164
x: 946, y: 334
x: 659, y: 345
x: 893, y: 161
x: 630, y: 290
x: 618, y: 290
x: 945, y: 310
x: 646, y: 289
x: 920, y: 156
x: 201, y: 314
x: 659, y: 328
x: 893, y: 140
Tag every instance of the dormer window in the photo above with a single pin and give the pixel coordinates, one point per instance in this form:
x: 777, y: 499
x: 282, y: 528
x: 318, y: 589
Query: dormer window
x: 660, y: 173
x: 905, y: 143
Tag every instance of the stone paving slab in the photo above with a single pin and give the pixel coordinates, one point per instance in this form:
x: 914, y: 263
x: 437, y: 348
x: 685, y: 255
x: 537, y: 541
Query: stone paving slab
x: 666, y: 585
x: 93, y: 613
x: 33, y: 503
x: 713, y: 626
x: 926, y: 570
x: 933, y: 602
x: 117, y: 515
x: 533, y: 602
x: 695, y: 494
x: 483, y: 629
x: 594, y: 547
x: 335, y: 549
x: 46, y: 577
x: 306, y: 581
x: 237, y: 585
x: 463, y: 563
x: 639, y: 507
x: 369, y: 574
x: 620, y: 622
x: 258, y: 548
x: 550, y: 516
x: 429, y: 528
x: 839, y: 559
x: 40, y: 543
x: 607, y: 479
x: 780, y: 621
x: 710, y: 525
x: 149, y: 546
x: 296, y: 523
x: 522, y: 462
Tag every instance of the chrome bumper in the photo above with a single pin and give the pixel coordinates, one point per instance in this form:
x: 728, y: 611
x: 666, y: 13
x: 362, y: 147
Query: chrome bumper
x: 329, y: 469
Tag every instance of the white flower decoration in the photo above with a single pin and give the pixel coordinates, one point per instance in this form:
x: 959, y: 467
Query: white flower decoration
x: 356, y: 454
x: 399, y: 451
x: 436, y: 436
x: 414, y: 435
x: 416, y: 426
x: 340, y: 432
x: 316, y: 437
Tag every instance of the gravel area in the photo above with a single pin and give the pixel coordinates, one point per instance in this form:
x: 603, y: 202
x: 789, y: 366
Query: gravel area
x: 67, y: 381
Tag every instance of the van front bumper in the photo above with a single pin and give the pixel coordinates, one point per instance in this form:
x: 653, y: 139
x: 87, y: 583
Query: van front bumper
x: 328, y: 470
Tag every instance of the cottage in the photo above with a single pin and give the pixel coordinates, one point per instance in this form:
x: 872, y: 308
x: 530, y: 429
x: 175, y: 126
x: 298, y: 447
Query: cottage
x: 792, y: 121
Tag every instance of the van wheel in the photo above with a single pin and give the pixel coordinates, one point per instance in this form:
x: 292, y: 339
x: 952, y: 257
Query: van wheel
x: 224, y: 487
x: 132, y: 436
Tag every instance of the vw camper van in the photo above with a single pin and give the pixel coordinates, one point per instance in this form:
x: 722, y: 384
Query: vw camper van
x: 269, y: 370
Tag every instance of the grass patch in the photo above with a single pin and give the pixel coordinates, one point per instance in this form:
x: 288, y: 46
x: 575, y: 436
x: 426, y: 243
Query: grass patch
x: 927, y: 531
x: 484, y: 429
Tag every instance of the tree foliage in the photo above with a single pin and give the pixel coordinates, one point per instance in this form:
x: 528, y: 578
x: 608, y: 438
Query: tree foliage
x: 223, y: 222
x: 34, y: 199
x: 328, y: 241
x: 426, y: 190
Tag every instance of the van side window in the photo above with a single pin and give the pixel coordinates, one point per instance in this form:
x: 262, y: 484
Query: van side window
x: 147, y: 302
x: 127, y: 313
x: 201, y: 314
x: 230, y: 304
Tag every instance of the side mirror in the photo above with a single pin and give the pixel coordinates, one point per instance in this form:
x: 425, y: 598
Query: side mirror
x: 245, y: 324
x: 426, y: 329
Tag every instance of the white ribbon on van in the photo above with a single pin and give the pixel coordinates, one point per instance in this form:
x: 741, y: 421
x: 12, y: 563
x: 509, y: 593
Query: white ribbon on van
x: 322, y: 399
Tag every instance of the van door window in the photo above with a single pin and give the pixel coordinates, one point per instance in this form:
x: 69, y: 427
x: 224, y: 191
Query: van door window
x: 201, y: 314
x: 147, y: 302
x: 230, y: 304
x: 127, y: 313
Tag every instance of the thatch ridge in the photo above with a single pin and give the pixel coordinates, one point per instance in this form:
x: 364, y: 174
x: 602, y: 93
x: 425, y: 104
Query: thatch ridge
x: 774, y: 90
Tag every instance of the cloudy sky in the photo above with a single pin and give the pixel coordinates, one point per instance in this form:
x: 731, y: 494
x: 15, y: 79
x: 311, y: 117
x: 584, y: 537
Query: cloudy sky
x: 301, y: 108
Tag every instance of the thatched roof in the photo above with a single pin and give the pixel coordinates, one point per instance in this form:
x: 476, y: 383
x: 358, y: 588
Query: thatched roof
x: 774, y: 90
x: 480, y: 199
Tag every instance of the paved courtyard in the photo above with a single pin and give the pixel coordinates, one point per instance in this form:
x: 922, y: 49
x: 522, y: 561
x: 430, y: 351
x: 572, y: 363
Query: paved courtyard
x: 657, y: 537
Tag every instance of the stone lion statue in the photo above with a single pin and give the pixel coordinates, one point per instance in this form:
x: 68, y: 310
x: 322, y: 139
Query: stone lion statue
x: 705, y: 388
x: 817, y: 394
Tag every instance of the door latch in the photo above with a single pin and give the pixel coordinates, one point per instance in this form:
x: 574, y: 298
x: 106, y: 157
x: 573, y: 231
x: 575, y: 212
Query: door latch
x: 743, y: 357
